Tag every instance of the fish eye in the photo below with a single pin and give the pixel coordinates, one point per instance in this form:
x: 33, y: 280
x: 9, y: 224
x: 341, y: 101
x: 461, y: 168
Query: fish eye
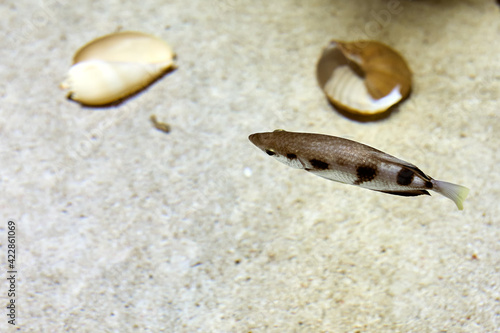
x: 270, y: 152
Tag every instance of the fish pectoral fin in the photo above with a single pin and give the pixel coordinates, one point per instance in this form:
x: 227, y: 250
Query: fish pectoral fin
x: 320, y: 173
x: 409, y: 193
x: 327, y: 174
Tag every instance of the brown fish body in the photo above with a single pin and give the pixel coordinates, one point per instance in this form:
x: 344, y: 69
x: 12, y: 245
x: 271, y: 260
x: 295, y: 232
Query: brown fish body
x: 354, y: 163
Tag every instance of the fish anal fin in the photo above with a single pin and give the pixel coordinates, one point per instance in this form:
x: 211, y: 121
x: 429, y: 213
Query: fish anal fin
x: 410, y: 193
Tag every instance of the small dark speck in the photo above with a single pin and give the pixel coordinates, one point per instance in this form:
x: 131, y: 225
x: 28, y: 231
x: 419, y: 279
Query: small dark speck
x: 163, y: 127
x: 237, y: 262
x: 291, y: 156
x: 474, y: 257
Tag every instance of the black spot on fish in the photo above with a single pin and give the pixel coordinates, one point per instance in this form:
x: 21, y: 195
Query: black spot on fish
x: 270, y: 152
x: 405, y: 177
x: 428, y: 184
x: 291, y: 156
x: 365, y: 173
x: 317, y: 164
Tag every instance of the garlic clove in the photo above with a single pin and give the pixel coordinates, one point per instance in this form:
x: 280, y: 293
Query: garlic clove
x: 97, y: 82
x: 115, y: 66
x: 126, y: 46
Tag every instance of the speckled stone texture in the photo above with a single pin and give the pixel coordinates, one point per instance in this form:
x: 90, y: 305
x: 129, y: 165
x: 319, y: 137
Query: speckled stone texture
x: 123, y: 228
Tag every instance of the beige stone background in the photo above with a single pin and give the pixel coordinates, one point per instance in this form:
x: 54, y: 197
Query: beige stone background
x: 122, y: 228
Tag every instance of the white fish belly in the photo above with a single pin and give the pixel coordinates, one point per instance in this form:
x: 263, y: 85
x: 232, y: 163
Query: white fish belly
x: 335, y: 175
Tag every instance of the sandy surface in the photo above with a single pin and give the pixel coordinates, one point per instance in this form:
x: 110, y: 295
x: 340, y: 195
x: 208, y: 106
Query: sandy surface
x: 123, y: 228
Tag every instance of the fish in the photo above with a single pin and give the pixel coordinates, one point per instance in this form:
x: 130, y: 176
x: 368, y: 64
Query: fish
x: 350, y: 162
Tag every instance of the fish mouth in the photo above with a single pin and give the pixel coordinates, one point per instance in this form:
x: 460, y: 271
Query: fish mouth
x: 262, y: 140
x: 255, y: 139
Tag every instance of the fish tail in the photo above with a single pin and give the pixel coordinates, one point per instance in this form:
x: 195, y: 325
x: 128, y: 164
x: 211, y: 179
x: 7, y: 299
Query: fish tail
x: 455, y: 192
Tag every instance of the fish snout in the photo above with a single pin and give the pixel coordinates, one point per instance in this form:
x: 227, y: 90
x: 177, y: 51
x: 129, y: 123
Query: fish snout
x: 256, y: 139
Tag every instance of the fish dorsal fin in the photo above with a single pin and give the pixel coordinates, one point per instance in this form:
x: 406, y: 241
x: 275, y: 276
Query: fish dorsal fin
x: 383, y: 157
